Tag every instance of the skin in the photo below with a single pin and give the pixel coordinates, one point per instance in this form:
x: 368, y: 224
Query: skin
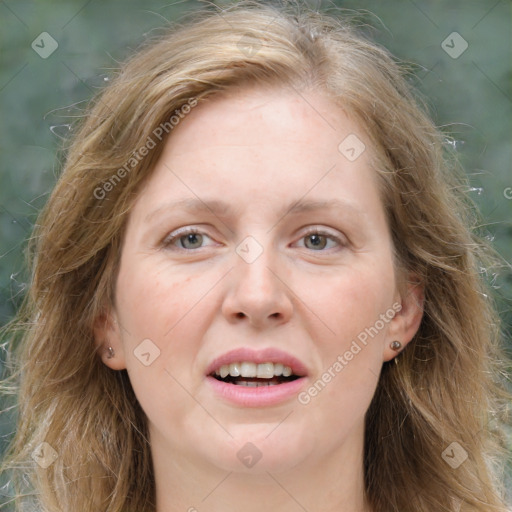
x: 259, y: 151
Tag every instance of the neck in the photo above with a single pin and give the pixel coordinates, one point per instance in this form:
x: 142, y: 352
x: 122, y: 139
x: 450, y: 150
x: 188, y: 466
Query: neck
x: 332, y: 483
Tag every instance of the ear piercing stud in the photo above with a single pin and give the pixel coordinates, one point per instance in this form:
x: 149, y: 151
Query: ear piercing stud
x: 111, y: 353
x: 395, y: 345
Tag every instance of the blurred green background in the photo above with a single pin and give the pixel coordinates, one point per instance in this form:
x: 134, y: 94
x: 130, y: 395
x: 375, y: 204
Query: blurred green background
x: 469, y: 96
x: 468, y: 92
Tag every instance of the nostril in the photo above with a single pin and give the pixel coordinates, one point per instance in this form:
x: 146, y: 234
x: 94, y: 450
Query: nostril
x: 240, y: 315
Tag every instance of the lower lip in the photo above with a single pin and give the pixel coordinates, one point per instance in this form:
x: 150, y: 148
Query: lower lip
x: 262, y: 396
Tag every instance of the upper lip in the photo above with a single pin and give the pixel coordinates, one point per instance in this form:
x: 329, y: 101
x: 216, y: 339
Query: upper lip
x: 267, y: 355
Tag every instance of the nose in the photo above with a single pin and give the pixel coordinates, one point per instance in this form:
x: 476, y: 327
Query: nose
x: 258, y: 293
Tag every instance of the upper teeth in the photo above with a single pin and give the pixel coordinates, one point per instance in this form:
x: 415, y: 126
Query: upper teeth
x: 262, y: 370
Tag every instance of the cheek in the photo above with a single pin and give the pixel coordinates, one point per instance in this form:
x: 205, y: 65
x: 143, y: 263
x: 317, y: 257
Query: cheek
x: 353, y: 300
x: 352, y: 357
x: 170, y: 311
x: 153, y: 303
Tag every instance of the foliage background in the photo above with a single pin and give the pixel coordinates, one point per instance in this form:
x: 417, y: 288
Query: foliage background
x: 470, y: 97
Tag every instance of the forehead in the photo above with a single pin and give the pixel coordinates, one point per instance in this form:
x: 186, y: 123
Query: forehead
x: 248, y: 116
x: 258, y: 146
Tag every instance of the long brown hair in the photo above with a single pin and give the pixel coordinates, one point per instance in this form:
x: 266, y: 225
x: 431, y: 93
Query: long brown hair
x: 443, y: 394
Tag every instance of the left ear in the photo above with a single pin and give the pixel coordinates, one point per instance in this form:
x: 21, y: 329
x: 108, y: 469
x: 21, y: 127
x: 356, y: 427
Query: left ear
x: 406, y: 322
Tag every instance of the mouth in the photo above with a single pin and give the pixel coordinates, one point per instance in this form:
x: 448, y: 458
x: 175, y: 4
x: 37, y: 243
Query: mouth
x: 249, y: 374
x: 262, y: 378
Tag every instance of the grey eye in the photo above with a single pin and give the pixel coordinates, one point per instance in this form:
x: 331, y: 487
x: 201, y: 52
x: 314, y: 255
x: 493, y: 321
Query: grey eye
x: 191, y: 241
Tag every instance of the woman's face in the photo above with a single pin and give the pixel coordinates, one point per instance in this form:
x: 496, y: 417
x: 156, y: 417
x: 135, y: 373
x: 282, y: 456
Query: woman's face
x: 259, y: 238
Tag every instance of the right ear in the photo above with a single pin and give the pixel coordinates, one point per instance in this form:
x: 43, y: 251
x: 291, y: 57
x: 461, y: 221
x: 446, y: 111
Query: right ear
x: 108, y: 340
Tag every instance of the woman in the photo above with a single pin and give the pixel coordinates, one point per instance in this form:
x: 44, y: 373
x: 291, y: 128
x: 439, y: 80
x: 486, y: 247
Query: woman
x: 254, y: 286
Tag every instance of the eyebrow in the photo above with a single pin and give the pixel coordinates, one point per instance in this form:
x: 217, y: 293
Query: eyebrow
x: 336, y: 204
x: 221, y: 208
x: 192, y: 205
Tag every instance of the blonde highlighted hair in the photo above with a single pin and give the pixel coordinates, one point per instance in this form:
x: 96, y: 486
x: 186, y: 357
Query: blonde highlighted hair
x: 445, y: 388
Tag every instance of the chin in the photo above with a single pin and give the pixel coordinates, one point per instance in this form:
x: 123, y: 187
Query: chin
x: 255, y: 449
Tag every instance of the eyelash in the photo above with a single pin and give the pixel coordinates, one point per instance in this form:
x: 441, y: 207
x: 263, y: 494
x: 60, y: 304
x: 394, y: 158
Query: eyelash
x: 170, y: 240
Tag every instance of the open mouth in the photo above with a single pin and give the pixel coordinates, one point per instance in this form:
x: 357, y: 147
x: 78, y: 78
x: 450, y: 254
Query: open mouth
x: 254, y: 375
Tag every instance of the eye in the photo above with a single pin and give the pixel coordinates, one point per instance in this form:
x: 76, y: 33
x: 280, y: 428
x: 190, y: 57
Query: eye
x: 318, y: 240
x: 186, y: 239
